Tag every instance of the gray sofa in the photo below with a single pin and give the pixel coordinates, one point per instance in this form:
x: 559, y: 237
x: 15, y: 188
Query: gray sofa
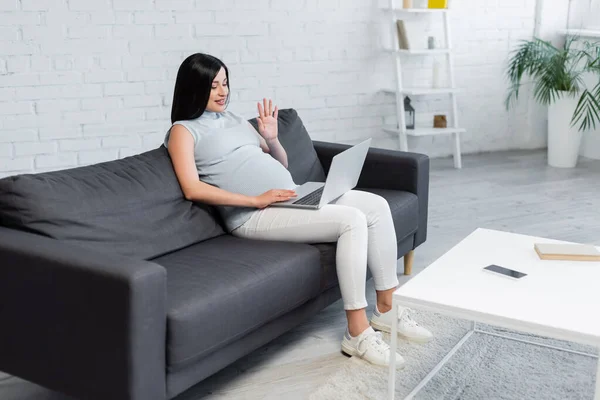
x: 113, y: 286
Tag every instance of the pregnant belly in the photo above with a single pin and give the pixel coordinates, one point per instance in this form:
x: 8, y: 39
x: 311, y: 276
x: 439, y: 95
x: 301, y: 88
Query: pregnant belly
x: 252, y: 176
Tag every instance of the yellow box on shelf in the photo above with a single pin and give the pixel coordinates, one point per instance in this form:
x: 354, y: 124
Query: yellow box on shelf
x: 438, y: 4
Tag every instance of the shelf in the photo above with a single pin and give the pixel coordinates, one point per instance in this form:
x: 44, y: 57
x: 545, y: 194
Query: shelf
x: 443, y: 90
x: 424, y: 131
x: 423, y: 52
x: 590, y: 33
x: 418, y: 10
x: 416, y: 91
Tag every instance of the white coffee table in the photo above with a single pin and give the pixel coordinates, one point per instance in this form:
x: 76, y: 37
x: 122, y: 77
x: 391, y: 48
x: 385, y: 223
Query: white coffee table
x: 546, y: 302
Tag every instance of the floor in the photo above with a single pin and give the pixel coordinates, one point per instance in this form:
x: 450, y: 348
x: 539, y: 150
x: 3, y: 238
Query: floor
x: 514, y: 191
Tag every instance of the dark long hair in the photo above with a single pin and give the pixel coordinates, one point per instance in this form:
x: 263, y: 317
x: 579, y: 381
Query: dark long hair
x: 193, y: 86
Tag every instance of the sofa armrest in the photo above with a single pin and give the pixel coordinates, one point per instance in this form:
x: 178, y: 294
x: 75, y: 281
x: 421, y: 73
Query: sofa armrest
x: 389, y: 169
x: 84, y: 323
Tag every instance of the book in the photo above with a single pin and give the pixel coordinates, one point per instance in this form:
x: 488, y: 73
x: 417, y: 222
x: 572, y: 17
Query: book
x: 567, y: 251
x: 438, y: 4
x: 402, y: 36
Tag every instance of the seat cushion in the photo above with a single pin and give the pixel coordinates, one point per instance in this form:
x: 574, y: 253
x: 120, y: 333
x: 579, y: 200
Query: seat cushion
x: 222, y: 289
x: 405, y: 210
x: 303, y: 163
x: 133, y: 206
x: 404, y: 207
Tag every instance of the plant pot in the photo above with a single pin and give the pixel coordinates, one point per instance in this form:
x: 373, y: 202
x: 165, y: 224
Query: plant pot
x: 563, y: 139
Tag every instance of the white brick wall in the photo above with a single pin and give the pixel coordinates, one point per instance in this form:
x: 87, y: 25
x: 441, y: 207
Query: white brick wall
x: 82, y: 81
x: 584, y: 14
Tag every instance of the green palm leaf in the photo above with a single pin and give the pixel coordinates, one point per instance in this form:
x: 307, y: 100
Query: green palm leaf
x: 557, y: 72
x: 587, y: 111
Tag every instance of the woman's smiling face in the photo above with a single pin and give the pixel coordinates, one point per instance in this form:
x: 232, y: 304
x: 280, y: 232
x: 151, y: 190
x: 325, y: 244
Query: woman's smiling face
x: 218, y: 93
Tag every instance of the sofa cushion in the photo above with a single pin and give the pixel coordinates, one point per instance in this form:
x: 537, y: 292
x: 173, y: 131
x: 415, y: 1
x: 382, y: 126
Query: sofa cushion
x: 222, y: 289
x: 303, y: 163
x: 132, y: 206
x: 404, y: 207
x: 405, y: 210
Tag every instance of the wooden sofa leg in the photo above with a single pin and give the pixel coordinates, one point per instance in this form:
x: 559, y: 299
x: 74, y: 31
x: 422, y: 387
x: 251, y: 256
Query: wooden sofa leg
x: 408, y: 262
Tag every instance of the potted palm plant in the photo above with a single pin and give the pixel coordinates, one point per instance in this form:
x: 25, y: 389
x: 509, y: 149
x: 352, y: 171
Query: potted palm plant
x: 560, y: 78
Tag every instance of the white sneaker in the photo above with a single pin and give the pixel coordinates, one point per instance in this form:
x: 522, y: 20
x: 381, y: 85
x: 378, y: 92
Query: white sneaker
x: 370, y: 346
x: 408, y: 328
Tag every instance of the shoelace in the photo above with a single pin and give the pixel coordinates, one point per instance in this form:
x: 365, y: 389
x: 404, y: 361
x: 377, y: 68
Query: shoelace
x: 406, y: 315
x: 378, y: 345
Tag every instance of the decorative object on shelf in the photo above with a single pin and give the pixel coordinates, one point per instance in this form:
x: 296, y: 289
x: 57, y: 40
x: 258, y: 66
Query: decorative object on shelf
x: 436, y: 66
x: 402, y: 36
x: 435, y: 79
x: 557, y: 77
x: 420, y: 4
x: 440, y: 121
x: 431, y: 42
x: 407, y: 4
x: 409, y: 112
x: 438, y: 4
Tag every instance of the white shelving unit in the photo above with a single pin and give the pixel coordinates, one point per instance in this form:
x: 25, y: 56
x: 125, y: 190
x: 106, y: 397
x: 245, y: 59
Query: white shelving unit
x: 418, y: 91
x: 418, y: 10
x: 400, y: 91
x: 587, y: 33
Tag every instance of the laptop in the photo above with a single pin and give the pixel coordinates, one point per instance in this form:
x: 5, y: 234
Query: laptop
x: 343, y: 176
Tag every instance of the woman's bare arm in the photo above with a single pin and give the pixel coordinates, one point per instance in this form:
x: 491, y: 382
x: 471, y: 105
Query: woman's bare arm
x: 277, y: 151
x: 181, y: 150
x: 273, y: 147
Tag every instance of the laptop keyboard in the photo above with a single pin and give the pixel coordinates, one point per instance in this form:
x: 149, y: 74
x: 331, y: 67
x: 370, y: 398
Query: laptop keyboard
x: 311, y: 199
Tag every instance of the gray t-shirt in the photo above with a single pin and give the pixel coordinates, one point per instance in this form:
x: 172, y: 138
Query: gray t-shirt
x: 228, y: 155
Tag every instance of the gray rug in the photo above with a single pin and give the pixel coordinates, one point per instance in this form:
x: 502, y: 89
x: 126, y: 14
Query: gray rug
x: 485, y: 368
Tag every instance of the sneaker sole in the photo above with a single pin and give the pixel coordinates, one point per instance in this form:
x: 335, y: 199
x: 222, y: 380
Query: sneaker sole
x: 388, y: 329
x: 351, y: 353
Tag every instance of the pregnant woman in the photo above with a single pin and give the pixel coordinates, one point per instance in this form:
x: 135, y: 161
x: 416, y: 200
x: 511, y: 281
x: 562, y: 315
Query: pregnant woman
x: 220, y: 159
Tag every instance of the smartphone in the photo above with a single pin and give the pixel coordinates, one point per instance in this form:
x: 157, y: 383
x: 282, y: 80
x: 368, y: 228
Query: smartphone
x: 511, y: 273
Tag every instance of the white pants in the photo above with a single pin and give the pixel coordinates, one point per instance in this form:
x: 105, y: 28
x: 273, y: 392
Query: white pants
x: 361, y: 224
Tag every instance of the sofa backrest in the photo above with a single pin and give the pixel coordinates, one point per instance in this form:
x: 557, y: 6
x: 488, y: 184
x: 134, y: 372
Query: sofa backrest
x: 303, y: 163
x: 132, y: 206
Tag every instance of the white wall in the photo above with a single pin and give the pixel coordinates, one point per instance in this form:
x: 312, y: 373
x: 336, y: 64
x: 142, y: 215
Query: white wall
x: 584, y: 14
x: 83, y: 81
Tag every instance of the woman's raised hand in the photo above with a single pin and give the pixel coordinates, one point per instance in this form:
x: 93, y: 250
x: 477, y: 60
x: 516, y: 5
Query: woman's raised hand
x: 267, y: 120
